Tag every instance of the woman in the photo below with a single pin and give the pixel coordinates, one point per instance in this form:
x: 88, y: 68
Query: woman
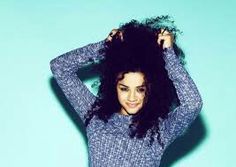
x: 146, y: 98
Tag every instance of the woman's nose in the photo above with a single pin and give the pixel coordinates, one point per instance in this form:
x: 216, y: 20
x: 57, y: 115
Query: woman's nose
x: 132, y: 96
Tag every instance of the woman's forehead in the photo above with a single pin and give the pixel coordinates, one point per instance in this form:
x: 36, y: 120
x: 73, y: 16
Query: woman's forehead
x: 132, y: 79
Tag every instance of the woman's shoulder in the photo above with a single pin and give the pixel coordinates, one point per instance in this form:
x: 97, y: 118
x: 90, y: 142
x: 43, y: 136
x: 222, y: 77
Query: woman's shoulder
x: 95, y: 124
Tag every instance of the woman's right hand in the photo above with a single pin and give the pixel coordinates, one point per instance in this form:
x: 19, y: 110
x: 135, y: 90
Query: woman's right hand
x: 165, y: 39
x: 115, y: 33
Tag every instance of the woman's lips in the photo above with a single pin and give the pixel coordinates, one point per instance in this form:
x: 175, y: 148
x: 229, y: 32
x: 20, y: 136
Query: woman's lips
x: 132, y: 105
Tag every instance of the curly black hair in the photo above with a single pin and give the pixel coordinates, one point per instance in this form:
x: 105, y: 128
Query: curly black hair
x: 138, y: 52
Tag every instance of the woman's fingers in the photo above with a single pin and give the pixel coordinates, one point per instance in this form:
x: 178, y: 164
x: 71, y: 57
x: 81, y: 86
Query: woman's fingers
x: 114, y: 32
x: 111, y: 34
x: 159, y: 39
x: 164, y: 32
x: 165, y: 38
x: 120, y: 34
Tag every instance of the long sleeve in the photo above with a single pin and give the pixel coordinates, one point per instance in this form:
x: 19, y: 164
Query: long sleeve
x: 190, y: 100
x: 65, y: 68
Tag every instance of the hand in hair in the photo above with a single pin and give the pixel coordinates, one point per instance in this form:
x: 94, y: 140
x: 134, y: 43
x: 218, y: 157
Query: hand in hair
x: 115, y: 33
x: 165, y: 39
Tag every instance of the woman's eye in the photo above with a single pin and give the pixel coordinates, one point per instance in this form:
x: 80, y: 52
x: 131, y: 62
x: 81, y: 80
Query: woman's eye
x: 141, y: 90
x: 124, y: 89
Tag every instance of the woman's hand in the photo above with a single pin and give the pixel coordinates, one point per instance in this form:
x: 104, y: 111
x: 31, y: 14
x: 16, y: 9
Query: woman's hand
x: 165, y: 39
x: 115, y: 33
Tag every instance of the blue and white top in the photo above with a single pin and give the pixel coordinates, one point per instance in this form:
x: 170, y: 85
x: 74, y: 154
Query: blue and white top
x: 109, y: 144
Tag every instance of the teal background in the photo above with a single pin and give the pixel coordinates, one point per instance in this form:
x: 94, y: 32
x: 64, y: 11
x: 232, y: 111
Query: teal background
x: 37, y: 129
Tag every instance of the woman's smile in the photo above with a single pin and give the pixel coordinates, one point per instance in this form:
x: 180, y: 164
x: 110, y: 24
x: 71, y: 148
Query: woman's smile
x: 132, y: 105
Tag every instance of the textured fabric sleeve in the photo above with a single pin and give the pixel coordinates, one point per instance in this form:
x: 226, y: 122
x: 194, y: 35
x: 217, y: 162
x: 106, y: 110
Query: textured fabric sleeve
x: 190, y: 100
x: 65, y: 68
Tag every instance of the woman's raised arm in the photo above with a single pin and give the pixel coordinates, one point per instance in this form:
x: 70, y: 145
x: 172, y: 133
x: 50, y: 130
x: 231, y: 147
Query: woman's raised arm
x: 65, y: 68
x: 190, y: 100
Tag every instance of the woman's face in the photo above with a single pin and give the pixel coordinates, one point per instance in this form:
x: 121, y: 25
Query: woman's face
x: 131, y: 92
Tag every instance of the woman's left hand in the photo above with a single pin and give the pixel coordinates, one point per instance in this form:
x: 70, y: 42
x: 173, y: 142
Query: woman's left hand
x: 165, y: 39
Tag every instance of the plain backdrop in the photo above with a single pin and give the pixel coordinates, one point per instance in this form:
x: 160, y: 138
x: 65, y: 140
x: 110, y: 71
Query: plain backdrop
x: 37, y: 126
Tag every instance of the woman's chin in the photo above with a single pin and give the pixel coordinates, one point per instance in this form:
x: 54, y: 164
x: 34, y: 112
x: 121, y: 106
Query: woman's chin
x: 132, y: 111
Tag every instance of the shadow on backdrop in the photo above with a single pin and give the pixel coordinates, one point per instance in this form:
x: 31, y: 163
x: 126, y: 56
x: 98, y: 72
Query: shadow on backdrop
x: 182, y: 146
x: 177, y: 150
x: 84, y: 74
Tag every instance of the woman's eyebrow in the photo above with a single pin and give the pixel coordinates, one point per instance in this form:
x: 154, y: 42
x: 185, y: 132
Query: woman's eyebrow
x: 136, y: 86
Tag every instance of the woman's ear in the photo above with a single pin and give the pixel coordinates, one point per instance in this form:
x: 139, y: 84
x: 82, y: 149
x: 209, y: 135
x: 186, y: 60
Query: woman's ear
x: 148, y: 90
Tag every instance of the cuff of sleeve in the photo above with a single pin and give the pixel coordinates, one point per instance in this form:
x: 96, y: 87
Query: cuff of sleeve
x: 170, y: 57
x: 169, y: 51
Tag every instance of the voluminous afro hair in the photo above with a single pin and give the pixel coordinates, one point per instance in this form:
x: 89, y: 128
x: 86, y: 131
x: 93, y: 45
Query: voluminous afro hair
x: 138, y: 52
